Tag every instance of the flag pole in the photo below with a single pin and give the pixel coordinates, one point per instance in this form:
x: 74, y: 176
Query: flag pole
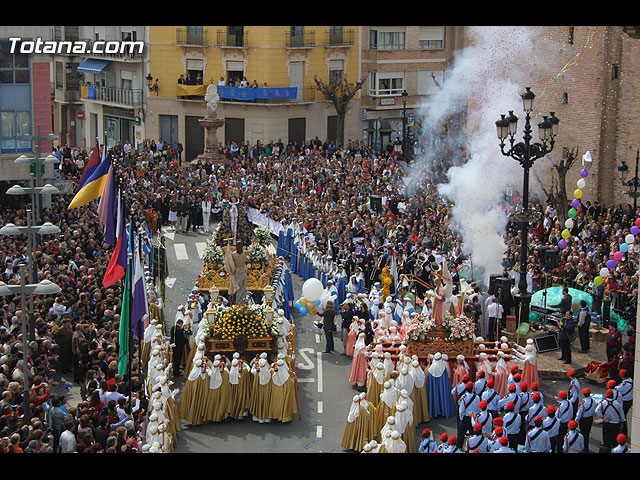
x: 130, y: 293
x: 141, y: 321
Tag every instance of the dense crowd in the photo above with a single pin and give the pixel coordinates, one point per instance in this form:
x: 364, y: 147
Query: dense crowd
x: 327, y: 188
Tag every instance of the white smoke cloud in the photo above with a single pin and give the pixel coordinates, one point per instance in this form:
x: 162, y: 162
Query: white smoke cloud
x: 488, y: 76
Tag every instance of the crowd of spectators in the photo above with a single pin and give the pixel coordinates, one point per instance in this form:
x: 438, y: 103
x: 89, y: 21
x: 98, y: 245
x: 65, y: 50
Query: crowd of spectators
x: 326, y: 187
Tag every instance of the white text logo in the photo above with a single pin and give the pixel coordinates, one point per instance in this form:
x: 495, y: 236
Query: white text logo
x: 77, y: 47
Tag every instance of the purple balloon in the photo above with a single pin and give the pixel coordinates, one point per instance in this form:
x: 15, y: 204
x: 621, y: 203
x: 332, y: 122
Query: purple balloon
x: 611, y: 264
x: 635, y: 230
x: 562, y: 243
x: 584, y: 173
x: 575, y: 203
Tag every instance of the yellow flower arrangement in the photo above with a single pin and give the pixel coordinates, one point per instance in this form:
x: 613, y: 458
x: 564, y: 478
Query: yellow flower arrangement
x: 239, y: 320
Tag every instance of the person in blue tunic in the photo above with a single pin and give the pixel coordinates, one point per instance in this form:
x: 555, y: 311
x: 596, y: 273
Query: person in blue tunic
x: 441, y: 402
x: 294, y: 257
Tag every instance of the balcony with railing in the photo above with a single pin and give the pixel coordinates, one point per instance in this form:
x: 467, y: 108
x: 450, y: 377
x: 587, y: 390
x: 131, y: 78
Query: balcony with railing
x: 302, y: 40
x: 224, y: 39
x: 196, y: 38
x: 197, y: 92
x: 112, y: 95
x: 345, y: 38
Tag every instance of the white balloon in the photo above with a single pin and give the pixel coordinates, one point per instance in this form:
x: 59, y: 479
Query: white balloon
x: 581, y: 183
x: 629, y: 239
x: 569, y: 223
x: 312, y: 289
x: 604, y: 272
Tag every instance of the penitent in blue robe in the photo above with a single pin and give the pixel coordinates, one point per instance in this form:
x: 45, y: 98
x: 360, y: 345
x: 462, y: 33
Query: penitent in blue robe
x: 441, y: 403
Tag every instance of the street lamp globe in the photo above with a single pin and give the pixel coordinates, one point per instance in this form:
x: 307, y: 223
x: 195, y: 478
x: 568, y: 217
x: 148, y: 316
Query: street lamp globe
x: 554, y: 123
x: 49, y: 189
x: 15, y: 190
x: 9, y: 229
x: 22, y: 159
x: 623, y: 170
x: 48, y: 228
x: 544, y: 129
x: 502, y: 127
x: 527, y: 99
x: 46, y: 287
x: 513, y: 123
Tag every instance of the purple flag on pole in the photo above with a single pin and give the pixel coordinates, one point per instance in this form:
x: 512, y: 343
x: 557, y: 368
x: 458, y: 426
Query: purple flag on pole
x: 139, y: 307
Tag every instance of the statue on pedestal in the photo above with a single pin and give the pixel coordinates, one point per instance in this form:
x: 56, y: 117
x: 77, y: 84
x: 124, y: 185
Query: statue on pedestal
x: 211, y: 123
x: 211, y: 98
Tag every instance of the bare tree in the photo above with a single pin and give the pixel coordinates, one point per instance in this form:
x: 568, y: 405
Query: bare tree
x: 340, y: 93
x: 558, y: 191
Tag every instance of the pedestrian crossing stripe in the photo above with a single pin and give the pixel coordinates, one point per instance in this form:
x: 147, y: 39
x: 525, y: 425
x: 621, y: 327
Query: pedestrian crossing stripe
x: 201, y: 247
x: 181, y: 251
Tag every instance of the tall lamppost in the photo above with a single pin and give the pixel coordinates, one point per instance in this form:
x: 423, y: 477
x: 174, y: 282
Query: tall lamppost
x: 31, y: 231
x: 404, y: 123
x: 38, y: 164
x: 623, y: 171
x: 44, y: 287
x: 526, y: 153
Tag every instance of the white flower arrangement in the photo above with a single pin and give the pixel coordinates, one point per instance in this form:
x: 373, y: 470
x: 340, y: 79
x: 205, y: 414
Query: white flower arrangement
x: 213, y: 253
x: 258, y: 255
x: 263, y: 236
x: 258, y: 308
x: 205, y: 329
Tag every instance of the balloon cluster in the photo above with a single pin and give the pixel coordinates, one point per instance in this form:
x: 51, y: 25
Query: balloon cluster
x: 575, y: 204
x: 314, y: 298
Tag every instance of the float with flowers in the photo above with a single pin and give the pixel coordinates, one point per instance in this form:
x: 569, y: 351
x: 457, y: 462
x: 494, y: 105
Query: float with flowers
x: 261, y: 262
x: 246, y: 329
x: 454, y: 336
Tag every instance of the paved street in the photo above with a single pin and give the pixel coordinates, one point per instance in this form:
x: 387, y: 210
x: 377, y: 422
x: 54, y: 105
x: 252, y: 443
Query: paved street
x: 325, y: 394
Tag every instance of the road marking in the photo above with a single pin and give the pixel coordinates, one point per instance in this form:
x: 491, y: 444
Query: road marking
x: 181, y: 251
x: 201, y: 247
x: 317, y: 338
x: 306, y: 380
x: 319, y: 355
x: 319, y: 431
x: 169, y: 282
x: 307, y: 363
x: 170, y: 235
x: 320, y: 407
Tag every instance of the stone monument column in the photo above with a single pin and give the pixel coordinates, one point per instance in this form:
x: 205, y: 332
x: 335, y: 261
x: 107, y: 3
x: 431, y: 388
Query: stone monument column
x: 211, y: 153
x: 211, y: 123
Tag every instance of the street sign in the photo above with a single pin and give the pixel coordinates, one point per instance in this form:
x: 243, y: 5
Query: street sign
x: 80, y: 115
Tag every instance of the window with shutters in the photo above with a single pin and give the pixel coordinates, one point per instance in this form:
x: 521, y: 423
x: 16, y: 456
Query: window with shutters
x: 336, y: 68
x: 431, y: 38
x: 387, y: 38
x: 386, y: 83
x: 195, y: 69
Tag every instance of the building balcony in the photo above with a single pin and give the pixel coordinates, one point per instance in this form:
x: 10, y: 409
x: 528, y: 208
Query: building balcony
x: 235, y: 95
x: 305, y: 40
x: 340, y: 39
x: 186, y: 38
x: 225, y: 39
x: 111, y: 95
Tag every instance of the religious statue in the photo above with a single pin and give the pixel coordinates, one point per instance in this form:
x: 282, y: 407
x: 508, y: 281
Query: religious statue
x: 211, y: 97
x: 235, y: 223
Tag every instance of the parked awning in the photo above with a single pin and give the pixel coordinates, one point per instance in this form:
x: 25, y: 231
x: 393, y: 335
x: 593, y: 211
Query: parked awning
x: 93, y: 65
